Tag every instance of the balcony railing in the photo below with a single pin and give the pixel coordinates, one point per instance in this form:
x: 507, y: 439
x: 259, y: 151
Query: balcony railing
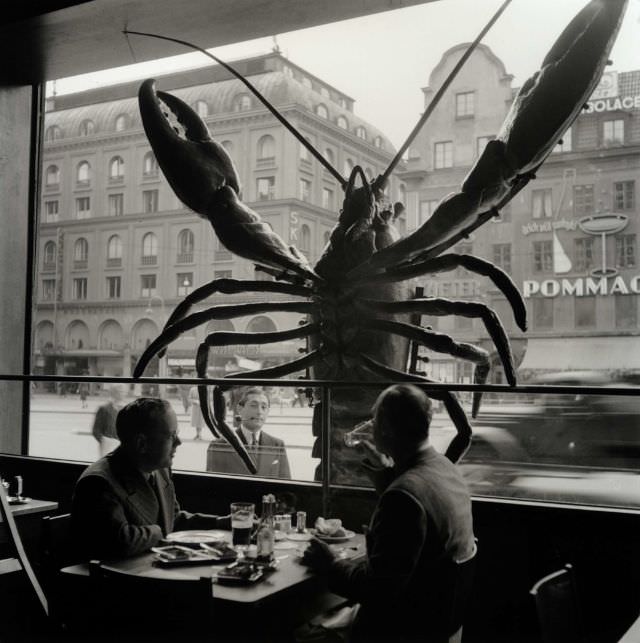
x: 48, y: 266
x: 80, y: 264
x: 222, y: 255
x: 185, y: 257
x: 149, y: 260
x: 114, y: 262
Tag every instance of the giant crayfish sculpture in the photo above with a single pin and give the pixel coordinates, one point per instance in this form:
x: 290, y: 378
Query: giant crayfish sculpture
x: 357, y: 299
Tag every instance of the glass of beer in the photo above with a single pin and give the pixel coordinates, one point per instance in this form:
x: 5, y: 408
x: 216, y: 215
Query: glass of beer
x: 360, y: 432
x: 241, y: 524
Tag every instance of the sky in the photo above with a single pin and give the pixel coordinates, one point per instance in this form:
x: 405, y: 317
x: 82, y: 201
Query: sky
x: 383, y: 60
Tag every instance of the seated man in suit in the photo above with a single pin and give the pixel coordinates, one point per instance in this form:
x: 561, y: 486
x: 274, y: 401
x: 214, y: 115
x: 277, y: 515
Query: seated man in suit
x: 411, y: 584
x: 268, y: 452
x: 125, y: 503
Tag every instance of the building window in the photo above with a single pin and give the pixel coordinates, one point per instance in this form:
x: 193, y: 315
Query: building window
x: 242, y: 103
x: 148, y: 285
x: 305, y: 154
x: 443, y: 155
x: 116, y: 169
x: 583, y: 200
x: 624, y: 195
x: 542, y: 256
x: 427, y: 208
x: 304, y: 188
x: 86, y: 128
x: 149, y: 249
x: 361, y: 132
x: 149, y: 201
x: 613, y: 132
x: 83, y: 207
x: 113, y: 287
x: 51, y: 209
x: 465, y: 104
x: 50, y: 251
x: 202, y: 109
x: 626, y: 251
x: 327, y: 198
x: 79, y: 288
x: 348, y: 167
x: 115, y: 205
x: 266, y: 147
x: 83, y: 173
x: 502, y: 256
x: 149, y: 165
x: 48, y: 292
x: 543, y: 312
x: 81, y: 250
x: 53, y: 133
x: 342, y: 123
x: 322, y: 111
x: 329, y: 155
x: 122, y: 122
x: 305, y: 239
x: 541, y: 204
x: 114, y: 251
x: 481, y: 143
x: 185, y: 283
x: 185, y: 246
x: 378, y: 142
x: 564, y: 144
x: 626, y: 311
x: 52, y: 176
x: 583, y: 253
x: 266, y: 188
x: 222, y: 274
x: 585, y: 312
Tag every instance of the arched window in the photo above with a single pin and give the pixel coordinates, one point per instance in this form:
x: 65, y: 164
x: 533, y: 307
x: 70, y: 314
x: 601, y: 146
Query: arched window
x: 52, y: 175
x: 149, y: 248
x: 114, y: 247
x: 348, y: 167
x: 361, y: 132
x: 81, y: 250
x: 53, y: 133
x: 116, y: 168
x: 87, y: 127
x: 219, y: 325
x: 378, y: 142
x: 83, y: 172
x: 122, y: 122
x: 50, y: 252
x: 322, y: 111
x: 266, y: 147
x: 305, y: 238
x: 261, y: 324
x: 202, y: 109
x: 149, y: 164
x: 242, y: 103
x: 342, y: 122
x: 185, y: 246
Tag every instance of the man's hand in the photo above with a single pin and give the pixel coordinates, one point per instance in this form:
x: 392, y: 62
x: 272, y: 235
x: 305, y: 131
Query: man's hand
x: 373, y: 458
x: 318, y: 555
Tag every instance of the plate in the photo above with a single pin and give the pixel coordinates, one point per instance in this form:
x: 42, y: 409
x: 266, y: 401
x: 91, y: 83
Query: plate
x: 239, y: 574
x: 14, y: 500
x: 348, y: 534
x: 193, y: 538
x: 304, y: 537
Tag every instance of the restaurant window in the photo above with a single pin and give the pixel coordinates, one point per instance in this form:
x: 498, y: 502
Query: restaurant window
x: 186, y: 244
x: 114, y: 251
x: 624, y: 196
x: 481, y: 143
x: 83, y: 173
x: 83, y: 207
x: 149, y: 249
x: 626, y: 251
x: 48, y: 292
x: 114, y: 285
x: 583, y: 253
x: 585, y: 312
x: 266, y: 147
x: 304, y: 190
x: 51, y: 211
x: 87, y: 127
x: 148, y: 286
x: 52, y: 176
x: 583, y: 201
x: 266, y: 188
x: 613, y: 132
x: 149, y: 201
x: 626, y: 311
x: 443, y: 155
x: 184, y: 283
x: 327, y: 198
x: 465, y: 104
x: 149, y: 165
x: 115, y: 205
x: 502, y: 256
x: 79, y: 288
x: 542, y: 312
x: 542, y: 256
x: 116, y: 169
x: 541, y: 205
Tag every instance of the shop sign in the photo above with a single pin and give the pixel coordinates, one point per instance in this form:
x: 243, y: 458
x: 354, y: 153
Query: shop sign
x: 548, y: 226
x: 613, y: 104
x: 582, y: 287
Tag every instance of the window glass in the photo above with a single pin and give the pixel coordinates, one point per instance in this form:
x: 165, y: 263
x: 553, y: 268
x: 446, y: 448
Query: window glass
x: 443, y: 155
x: 465, y: 104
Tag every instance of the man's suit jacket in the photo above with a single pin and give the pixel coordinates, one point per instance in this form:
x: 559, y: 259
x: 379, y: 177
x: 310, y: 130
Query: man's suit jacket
x: 421, y: 526
x: 270, y: 457
x: 116, y: 512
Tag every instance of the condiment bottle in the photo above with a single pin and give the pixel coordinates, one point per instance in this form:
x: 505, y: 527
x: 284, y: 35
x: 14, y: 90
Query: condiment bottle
x: 265, y: 538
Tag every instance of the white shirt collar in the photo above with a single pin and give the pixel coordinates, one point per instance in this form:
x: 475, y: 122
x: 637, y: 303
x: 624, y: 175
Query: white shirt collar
x: 248, y: 435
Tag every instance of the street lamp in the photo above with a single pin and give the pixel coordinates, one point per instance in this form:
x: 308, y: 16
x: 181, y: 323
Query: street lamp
x: 163, y: 366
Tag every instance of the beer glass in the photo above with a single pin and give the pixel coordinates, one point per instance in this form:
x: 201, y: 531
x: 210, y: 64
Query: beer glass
x: 362, y: 431
x: 241, y: 524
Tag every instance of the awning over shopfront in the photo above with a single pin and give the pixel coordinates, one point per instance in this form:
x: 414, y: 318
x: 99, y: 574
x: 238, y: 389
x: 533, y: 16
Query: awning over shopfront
x: 582, y: 353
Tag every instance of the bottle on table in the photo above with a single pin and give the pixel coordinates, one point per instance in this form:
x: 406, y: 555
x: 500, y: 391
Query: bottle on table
x: 265, y: 537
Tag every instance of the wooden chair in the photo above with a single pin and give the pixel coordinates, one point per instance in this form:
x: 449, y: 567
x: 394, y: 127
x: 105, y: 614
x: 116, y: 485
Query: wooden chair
x: 557, y: 607
x: 135, y: 607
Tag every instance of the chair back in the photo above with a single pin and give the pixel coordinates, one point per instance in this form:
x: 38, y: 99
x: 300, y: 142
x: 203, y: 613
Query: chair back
x: 557, y: 607
x: 148, y: 606
x: 57, y: 547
